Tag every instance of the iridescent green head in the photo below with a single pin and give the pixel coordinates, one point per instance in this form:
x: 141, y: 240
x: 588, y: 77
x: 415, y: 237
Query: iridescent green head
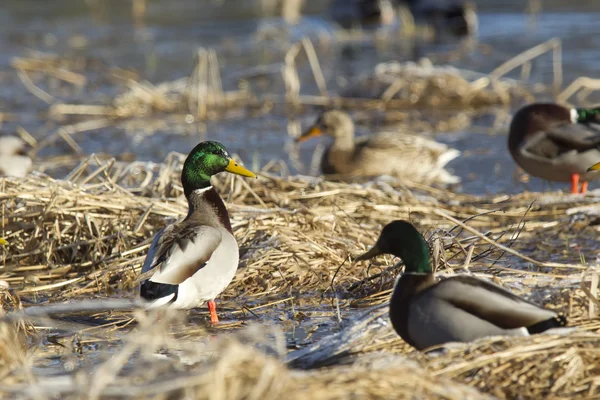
x: 587, y: 115
x: 205, y: 160
x: 403, y: 240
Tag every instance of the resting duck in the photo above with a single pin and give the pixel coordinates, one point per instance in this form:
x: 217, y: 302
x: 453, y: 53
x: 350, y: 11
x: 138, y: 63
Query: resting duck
x: 426, y: 312
x: 556, y: 143
x: 193, y: 261
x: 457, y: 17
x: 386, y: 153
x: 362, y: 13
x: 14, y: 160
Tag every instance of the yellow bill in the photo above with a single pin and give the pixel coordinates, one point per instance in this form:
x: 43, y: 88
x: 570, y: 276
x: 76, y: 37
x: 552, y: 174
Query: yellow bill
x: 375, y: 251
x: 595, y: 167
x: 3, y: 242
x: 313, y: 131
x: 237, y: 169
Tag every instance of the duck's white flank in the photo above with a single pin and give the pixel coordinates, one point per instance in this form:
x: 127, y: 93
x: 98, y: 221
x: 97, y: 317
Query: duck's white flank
x: 160, y: 302
x: 12, y: 163
x: 213, y: 278
x: 202, y: 271
x: 184, y: 263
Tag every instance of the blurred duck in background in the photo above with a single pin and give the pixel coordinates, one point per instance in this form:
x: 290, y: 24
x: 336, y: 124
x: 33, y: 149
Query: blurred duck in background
x: 557, y: 143
x: 14, y: 160
x: 408, y: 157
x: 362, y: 13
x: 456, y: 17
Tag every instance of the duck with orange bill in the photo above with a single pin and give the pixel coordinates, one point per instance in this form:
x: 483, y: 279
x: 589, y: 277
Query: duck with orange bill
x: 191, y: 262
x: 404, y: 156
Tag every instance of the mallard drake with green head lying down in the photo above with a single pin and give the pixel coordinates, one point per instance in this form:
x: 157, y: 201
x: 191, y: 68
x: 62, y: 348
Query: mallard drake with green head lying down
x: 193, y: 261
x: 404, y: 156
x: 556, y: 143
x: 426, y: 312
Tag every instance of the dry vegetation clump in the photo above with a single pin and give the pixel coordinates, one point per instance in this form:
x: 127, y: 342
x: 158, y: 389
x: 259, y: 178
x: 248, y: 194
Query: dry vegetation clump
x: 86, y: 237
x: 247, y: 364
x: 426, y: 85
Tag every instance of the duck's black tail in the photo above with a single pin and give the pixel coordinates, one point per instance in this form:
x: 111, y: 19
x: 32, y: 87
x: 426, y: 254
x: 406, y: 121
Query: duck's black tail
x: 554, y: 322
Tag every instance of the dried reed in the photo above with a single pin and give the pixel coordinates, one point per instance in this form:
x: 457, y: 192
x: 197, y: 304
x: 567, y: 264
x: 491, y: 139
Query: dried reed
x: 86, y: 237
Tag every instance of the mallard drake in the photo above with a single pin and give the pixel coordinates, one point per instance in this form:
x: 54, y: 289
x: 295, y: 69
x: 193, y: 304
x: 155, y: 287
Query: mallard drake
x: 457, y: 17
x: 426, y: 312
x: 595, y: 167
x: 556, y: 143
x: 14, y: 160
x: 405, y: 156
x: 193, y: 261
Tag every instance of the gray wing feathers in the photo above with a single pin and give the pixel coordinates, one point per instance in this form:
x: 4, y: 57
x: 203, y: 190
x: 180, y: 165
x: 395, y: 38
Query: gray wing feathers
x: 178, y: 253
x: 150, y: 260
x: 490, y: 302
x: 576, y: 136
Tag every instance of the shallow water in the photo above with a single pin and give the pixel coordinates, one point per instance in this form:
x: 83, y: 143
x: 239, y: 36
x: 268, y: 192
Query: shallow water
x: 164, y: 49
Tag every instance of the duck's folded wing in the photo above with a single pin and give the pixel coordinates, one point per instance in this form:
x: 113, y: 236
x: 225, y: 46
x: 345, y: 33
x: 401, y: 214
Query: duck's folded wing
x: 575, y: 136
x: 178, y: 252
x: 490, y: 302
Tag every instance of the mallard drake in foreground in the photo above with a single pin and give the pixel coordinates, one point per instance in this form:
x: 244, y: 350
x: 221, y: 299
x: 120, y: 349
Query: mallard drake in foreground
x: 14, y: 160
x: 193, y: 261
x: 405, y: 156
x: 426, y: 312
x: 556, y: 143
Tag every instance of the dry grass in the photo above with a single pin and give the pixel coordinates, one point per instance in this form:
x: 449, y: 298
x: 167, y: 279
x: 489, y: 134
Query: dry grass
x: 86, y: 238
x: 401, y: 85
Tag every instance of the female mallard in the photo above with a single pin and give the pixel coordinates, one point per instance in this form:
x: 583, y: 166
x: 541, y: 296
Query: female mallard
x: 14, y: 160
x: 556, y: 143
x: 405, y: 156
x: 194, y: 260
x: 426, y: 312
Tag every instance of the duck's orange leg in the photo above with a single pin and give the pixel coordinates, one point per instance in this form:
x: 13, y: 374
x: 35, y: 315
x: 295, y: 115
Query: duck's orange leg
x: 583, y: 187
x: 212, y: 308
x: 575, y: 183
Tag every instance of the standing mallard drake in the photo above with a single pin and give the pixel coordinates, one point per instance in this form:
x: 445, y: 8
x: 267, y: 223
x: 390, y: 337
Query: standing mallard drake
x: 426, y: 312
x: 556, y: 143
x: 193, y: 261
x: 405, y: 156
x: 14, y: 160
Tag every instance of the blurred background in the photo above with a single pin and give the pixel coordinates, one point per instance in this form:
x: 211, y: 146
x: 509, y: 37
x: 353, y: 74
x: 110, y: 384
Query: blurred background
x: 137, y: 79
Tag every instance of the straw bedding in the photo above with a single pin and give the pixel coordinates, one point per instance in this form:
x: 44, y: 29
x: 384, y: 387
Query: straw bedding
x: 85, y: 238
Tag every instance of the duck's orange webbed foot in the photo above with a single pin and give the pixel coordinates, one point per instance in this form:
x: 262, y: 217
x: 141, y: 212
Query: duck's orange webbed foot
x: 575, y: 183
x: 212, y: 309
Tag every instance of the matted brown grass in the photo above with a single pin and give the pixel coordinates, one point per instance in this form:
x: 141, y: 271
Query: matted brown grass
x: 86, y: 237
